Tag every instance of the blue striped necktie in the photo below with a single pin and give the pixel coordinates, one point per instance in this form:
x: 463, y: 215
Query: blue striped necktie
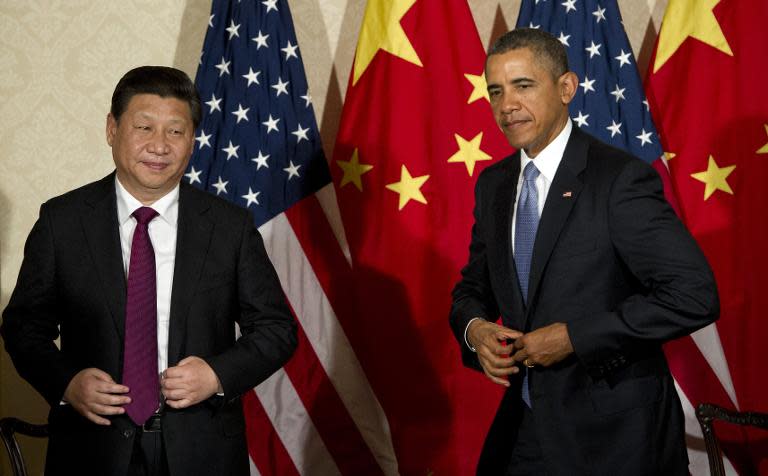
x: 526, y: 223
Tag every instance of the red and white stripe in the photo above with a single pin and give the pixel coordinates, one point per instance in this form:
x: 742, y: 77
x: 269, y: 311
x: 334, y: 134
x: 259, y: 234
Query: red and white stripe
x: 319, y: 414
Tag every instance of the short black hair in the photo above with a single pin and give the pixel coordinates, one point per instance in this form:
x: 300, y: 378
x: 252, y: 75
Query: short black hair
x: 160, y: 80
x: 547, y: 49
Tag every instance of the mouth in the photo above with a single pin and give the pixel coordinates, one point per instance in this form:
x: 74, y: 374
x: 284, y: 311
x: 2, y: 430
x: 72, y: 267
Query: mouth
x: 157, y: 166
x: 514, y: 124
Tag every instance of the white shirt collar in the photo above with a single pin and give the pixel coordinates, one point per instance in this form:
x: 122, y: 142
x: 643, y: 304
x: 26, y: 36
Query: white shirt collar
x: 549, y: 158
x: 166, y: 207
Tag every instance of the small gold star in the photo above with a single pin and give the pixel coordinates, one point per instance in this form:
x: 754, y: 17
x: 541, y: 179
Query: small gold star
x: 408, y: 187
x: 715, y: 178
x: 479, y: 88
x: 469, y: 152
x: 764, y: 149
x: 353, y: 171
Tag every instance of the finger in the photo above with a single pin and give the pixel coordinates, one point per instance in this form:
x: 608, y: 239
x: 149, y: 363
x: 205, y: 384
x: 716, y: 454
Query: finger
x: 521, y: 355
x: 176, y: 394
x: 174, y: 384
x: 500, y: 372
x: 506, y: 333
x: 498, y: 366
x: 183, y: 403
x: 495, y: 347
x: 187, y: 360
x: 97, y: 419
x: 112, y: 400
x: 100, y: 375
x: 99, y: 409
x: 521, y: 342
x: 178, y: 372
x: 173, y: 372
x: 498, y: 359
x: 105, y: 387
x: 497, y: 380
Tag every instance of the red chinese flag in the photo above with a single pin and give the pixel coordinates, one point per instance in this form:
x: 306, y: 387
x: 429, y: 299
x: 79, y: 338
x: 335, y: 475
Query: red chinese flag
x: 416, y: 131
x: 707, y: 90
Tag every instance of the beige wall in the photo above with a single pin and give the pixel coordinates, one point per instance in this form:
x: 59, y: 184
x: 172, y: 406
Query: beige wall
x: 60, y: 60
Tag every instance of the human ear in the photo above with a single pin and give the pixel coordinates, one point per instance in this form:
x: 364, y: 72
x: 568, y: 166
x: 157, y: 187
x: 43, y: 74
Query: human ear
x: 568, y: 84
x: 111, y: 128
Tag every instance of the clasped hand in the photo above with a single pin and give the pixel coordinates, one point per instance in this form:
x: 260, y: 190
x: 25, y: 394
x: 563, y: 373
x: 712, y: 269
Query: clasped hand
x: 499, y: 359
x: 188, y: 383
x: 94, y: 394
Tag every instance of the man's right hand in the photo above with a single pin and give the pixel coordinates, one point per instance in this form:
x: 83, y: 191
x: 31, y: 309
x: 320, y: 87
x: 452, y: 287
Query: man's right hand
x: 93, y: 393
x: 490, y: 342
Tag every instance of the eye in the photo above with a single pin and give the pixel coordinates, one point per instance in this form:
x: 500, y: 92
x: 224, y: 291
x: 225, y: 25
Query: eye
x: 142, y: 127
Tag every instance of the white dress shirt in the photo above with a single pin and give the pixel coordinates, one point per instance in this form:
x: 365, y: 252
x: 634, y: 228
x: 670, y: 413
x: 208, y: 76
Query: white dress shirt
x: 162, y: 233
x: 547, y: 162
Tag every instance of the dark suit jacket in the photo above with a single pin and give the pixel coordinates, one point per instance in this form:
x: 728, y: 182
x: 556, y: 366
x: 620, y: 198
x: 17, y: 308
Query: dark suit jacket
x: 72, y: 278
x: 612, y: 261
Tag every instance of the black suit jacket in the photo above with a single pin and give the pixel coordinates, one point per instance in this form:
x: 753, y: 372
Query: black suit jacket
x: 72, y: 283
x: 612, y: 261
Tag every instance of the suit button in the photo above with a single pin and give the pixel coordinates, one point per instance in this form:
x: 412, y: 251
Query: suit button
x: 128, y: 433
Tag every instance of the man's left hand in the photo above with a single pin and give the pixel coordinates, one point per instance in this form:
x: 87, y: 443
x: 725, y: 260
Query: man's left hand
x: 545, y: 346
x: 188, y: 383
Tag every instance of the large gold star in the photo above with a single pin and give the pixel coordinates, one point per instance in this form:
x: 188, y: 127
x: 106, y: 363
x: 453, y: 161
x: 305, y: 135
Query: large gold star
x: 686, y: 18
x: 469, y: 152
x: 715, y: 178
x: 381, y: 30
x: 669, y: 156
x: 353, y: 171
x: 408, y: 187
x: 479, y: 88
x: 764, y: 149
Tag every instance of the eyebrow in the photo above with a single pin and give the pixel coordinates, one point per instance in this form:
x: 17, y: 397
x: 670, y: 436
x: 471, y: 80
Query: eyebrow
x: 174, y: 119
x: 514, y: 82
x: 523, y: 80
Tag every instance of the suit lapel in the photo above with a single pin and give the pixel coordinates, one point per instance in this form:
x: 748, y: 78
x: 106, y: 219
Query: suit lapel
x: 561, y: 198
x: 503, y: 209
x: 193, y: 238
x: 102, y: 235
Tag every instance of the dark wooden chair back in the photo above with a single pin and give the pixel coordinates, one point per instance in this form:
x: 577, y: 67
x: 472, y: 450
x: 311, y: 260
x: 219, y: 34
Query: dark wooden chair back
x: 9, y: 427
x: 707, y: 413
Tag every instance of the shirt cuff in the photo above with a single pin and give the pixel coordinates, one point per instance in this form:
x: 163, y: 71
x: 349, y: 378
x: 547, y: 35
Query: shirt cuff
x: 465, y: 333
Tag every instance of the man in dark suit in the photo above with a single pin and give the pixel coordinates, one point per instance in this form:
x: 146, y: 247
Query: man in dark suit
x: 143, y: 279
x: 575, y: 247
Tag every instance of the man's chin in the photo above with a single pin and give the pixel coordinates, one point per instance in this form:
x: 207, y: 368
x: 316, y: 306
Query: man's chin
x: 517, y: 142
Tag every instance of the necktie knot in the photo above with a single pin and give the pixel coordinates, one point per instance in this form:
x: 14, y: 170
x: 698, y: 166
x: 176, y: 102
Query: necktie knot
x: 530, y: 172
x: 144, y: 215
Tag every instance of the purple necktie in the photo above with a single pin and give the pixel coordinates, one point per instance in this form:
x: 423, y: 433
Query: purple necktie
x: 140, y: 354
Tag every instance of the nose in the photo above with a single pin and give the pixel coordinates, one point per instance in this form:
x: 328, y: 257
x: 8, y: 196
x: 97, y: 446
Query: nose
x: 510, y: 102
x: 158, y: 143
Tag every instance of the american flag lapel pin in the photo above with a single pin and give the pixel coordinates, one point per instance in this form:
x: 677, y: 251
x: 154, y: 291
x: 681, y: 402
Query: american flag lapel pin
x: 567, y: 194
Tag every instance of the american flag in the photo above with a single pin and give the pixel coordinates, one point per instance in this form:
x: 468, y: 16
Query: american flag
x: 258, y: 146
x: 258, y: 143
x: 610, y: 103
